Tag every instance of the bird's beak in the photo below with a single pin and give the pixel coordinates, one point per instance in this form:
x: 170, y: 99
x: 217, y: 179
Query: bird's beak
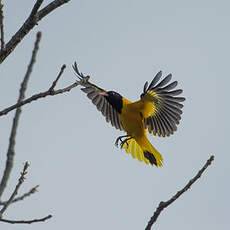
x: 104, y: 94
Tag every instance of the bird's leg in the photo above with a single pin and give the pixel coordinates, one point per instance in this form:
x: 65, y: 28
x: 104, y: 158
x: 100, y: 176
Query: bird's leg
x: 120, y: 139
x: 125, y: 142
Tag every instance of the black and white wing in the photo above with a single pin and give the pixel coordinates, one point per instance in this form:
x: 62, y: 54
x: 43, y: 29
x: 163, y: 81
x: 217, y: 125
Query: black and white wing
x: 167, y: 106
x: 93, y: 93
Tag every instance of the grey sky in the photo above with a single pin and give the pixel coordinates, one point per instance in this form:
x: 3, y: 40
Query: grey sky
x: 85, y: 181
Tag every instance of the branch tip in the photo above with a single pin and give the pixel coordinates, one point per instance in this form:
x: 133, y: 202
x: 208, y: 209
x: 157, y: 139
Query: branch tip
x: 26, y: 166
x: 39, y: 34
x: 3, y: 48
x: 51, y: 89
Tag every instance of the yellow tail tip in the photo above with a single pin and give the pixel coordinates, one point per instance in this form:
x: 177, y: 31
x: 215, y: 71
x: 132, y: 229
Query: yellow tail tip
x: 152, y: 158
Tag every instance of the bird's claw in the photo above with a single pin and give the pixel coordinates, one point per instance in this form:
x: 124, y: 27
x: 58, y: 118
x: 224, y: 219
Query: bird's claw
x: 122, y: 142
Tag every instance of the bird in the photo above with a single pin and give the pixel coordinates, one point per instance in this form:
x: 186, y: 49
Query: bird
x: 158, y: 111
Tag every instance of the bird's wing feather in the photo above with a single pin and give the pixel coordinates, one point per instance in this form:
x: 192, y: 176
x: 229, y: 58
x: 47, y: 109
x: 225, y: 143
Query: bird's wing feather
x: 167, y: 106
x: 93, y: 93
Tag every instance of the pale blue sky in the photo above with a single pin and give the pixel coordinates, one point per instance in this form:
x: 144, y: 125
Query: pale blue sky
x: 85, y: 181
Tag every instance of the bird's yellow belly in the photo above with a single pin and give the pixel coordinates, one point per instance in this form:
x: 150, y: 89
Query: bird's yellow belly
x: 133, y: 123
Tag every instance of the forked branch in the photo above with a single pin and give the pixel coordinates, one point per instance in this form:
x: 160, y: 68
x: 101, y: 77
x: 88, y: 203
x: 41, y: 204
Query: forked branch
x: 34, y: 17
x: 23, y: 196
x: 15, y: 192
x: 50, y: 92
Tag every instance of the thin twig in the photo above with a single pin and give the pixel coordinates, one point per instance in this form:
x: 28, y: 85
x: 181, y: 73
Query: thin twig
x: 2, y: 27
x: 164, y: 204
x: 29, y: 24
x: 22, y: 197
x: 15, y: 192
x: 10, y: 152
x: 50, y: 7
x: 26, y: 221
x: 58, y: 77
x: 33, y: 58
x: 35, y: 9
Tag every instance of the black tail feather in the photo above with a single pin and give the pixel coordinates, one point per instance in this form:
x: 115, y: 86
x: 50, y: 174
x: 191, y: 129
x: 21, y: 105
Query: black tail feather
x: 150, y: 157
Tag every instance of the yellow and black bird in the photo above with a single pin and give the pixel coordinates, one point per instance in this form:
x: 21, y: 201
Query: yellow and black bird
x: 158, y: 111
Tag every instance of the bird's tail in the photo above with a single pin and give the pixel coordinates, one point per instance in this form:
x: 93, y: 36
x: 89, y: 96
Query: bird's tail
x: 143, y: 150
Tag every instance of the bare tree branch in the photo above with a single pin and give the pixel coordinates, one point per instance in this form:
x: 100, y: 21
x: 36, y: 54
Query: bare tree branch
x: 164, y: 204
x: 32, y: 61
x: 22, y: 197
x: 35, y: 10
x: 6, y: 49
x: 50, y: 7
x: 29, y: 24
x: 26, y: 221
x: 15, y: 192
x: 10, y: 152
x: 58, y: 77
x: 49, y: 92
x: 2, y: 27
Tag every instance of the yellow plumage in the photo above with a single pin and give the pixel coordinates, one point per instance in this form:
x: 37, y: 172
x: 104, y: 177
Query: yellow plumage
x: 132, y: 118
x: 133, y: 148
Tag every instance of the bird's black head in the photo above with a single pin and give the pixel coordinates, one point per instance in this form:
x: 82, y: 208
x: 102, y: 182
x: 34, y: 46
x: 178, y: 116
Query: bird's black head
x: 114, y: 99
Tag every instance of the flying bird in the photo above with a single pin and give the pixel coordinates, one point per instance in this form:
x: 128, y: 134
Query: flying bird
x: 158, y: 111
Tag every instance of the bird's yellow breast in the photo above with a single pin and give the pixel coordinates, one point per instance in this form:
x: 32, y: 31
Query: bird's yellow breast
x: 133, y: 114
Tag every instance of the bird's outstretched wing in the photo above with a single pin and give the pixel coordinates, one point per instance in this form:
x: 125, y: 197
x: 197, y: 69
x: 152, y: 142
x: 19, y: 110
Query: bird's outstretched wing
x: 167, y: 107
x: 93, y: 93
